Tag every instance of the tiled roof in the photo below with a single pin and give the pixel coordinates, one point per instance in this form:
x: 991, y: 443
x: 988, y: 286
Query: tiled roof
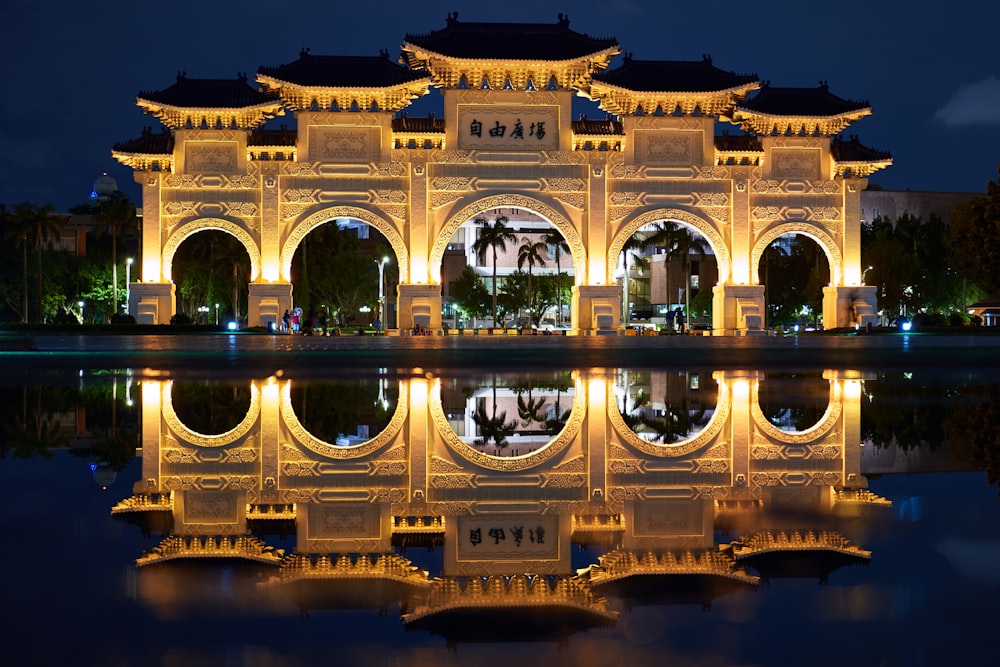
x: 812, y: 102
x: 269, y: 137
x: 597, y: 127
x: 209, y: 94
x: 510, y: 41
x: 343, y: 71
x: 673, y: 76
x: 420, y: 124
x: 742, y: 143
x: 852, y: 150
x: 148, y: 143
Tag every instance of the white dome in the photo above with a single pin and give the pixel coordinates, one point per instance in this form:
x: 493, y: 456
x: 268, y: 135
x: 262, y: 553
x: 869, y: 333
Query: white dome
x: 105, y: 186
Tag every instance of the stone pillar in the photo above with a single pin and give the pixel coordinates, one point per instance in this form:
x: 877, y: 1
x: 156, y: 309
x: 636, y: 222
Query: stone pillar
x: 151, y: 303
x: 267, y: 302
x: 737, y: 309
x: 419, y: 304
x: 849, y: 306
x: 597, y: 308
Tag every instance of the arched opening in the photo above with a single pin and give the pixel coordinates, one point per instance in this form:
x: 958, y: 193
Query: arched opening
x: 505, y: 416
x: 794, y: 403
x: 507, y: 266
x: 666, y: 268
x: 794, y: 269
x: 666, y: 408
x: 209, y: 407
x: 345, y: 413
x: 212, y: 270
x: 343, y: 274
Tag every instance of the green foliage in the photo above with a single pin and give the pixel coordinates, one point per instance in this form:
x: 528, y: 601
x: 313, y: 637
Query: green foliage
x: 329, y: 269
x: 470, y: 294
x: 211, y: 267
x: 493, y: 236
x: 972, y: 432
x: 973, y: 239
x: 793, y: 280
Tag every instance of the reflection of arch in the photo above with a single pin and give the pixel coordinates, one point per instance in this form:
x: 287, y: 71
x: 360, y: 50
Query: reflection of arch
x: 814, y: 432
x: 311, y: 222
x: 479, y: 206
x: 509, y: 463
x: 188, y: 229
x: 201, y: 440
x: 705, y: 437
x: 813, y: 231
x: 309, y: 441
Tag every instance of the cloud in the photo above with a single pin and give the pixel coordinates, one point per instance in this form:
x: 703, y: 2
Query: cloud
x: 975, y: 104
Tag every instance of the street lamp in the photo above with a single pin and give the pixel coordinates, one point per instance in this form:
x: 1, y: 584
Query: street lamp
x: 81, y: 312
x: 216, y: 314
x: 381, y: 290
x: 128, y: 280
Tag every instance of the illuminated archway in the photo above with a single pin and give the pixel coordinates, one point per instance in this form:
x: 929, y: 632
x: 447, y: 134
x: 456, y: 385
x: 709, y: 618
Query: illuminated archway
x: 185, y: 231
x: 192, y: 437
x: 302, y: 228
x: 811, y: 230
x: 332, y: 451
x: 701, y: 225
x: 473, y: 210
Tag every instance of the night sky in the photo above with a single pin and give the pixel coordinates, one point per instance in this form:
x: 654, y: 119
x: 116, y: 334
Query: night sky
x: 72, y: 69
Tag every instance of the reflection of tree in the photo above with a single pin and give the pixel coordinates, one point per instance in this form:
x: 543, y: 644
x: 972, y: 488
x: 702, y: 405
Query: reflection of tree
x: 681, y: 419
x: 971, y: 427
x: 904, y: 410
x: 33, y: 433
x: 331, y: 410
x: 794, y: 402
x: 211, y: 408
x: 492, y: 427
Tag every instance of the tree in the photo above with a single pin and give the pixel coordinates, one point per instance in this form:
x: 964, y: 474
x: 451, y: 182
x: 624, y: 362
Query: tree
x: 530, y: 253
x: 690, y: 243
x: 632, y: 243
x: 973, y: 239
x: 554, y: 238
x: 470, y: 294
x: 117, y: 213
x: 339, y: 275
x: 491, y: 237
x: 19, y: 225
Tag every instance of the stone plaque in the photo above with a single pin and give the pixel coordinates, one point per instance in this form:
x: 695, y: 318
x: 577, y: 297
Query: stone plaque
x: 515, y: 127
x: 508, y: 537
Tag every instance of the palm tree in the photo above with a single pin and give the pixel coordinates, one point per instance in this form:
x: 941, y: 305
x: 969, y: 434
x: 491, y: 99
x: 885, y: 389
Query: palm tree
x: 689, y: 243
x: 18, y: 224
x: 554, y: 238
x: 47, y: 228
x: 118, y: 214
x: 491, y: 237
x: 664, y: 235
x: 530, y: 253
x: 634, y: 242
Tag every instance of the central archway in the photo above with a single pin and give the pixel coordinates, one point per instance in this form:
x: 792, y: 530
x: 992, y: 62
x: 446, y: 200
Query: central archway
x: 483, y: 204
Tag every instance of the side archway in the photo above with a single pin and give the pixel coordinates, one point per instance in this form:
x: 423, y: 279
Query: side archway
x: 302, y: 228
x: 479, y: 206
x: 703, y: 226
x: 183, y: 232
x: 824, y: 240
x: 187, y: 435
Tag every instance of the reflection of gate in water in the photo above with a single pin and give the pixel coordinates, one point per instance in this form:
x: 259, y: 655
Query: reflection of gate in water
x: 418, y: 482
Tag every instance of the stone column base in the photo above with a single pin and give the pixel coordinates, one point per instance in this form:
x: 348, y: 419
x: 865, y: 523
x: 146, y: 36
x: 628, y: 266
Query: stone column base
x: 151, y: 303
x: 419, y: 305
x: 267, y: 302
x: 737, y: 310
x: 849, y: 306
x: 597, y: 307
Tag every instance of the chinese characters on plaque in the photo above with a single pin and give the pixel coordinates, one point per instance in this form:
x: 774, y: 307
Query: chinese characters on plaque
x: 526, y: 537
x: 508, y: 128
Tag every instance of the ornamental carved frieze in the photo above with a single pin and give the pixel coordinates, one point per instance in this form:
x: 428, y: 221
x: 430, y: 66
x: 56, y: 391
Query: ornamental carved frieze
x: 564, y: 481
x: 710, y: 466
x: 577, y: 201
x: 709, y: 492
x: 239, y: 209
x: 618, y: 213
x: 341, y: 143
x: 439, y: 199
x: 710, y: 199
x: 300, y: 195
x: 625, y: 467
x: 673, y: 123
x: 452, y: 481
x: 718, y: 213
x: 395, y: 211
x: 213, y: 483
x: 823, y: 213
x: 563, y: 157
x: 299, y: 469
x: 178, y: 181
x: 389, y: 468
x: 716, y: 173
x: 575, y: 464
x: 766, y: 213
x: 212, y: 158
x: 451, y: 156
x: 389, y: 197
x: 795, y: 163
x: 453, y: 183
x: 292, y: 211
x: 180, y: 208
x: 632, y: 199
x: 212, y: 135
x: 235, y: 455
x: 298, y: 168
x: 563, y: 185
x: 670, y: 147
x: 394, y: 168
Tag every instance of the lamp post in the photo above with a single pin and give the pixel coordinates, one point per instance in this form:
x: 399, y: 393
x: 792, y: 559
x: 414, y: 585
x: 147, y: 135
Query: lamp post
x: 380, y: 315
x: 81, y: 312
x: 216, y: 314
x: 128, y: 281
